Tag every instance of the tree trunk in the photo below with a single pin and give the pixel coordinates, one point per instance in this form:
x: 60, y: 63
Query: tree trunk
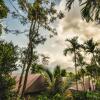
x: 83, y: 80
x: 96, y: 66
x: 95, y: 77
x: 25, y: 79
x: 21, y: 78
x: 89, y: 84
x: 29, y: 55
x: 76, y: 71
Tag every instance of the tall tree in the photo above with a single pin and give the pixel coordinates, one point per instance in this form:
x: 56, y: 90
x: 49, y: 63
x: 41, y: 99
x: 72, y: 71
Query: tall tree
x: 38, y: 15
x: 90, y: 47
x: 73, y: 49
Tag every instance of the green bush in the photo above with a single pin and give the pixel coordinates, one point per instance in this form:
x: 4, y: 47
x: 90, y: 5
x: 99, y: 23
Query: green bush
x: 93, y: 95
x: 86, y: 95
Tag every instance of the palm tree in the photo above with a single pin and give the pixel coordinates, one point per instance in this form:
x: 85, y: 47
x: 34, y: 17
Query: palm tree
x: 73, y: 49
x: 58, y: 82
x: 53, y: 79
x: 90, y: 47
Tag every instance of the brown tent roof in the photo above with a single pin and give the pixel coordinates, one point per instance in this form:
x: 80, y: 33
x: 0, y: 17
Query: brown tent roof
x: 35, y: 83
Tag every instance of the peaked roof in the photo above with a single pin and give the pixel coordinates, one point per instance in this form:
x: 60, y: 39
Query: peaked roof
x: 35, y: 83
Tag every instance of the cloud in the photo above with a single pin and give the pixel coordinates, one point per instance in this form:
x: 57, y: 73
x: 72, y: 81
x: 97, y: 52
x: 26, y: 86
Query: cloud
x: 71, y: 25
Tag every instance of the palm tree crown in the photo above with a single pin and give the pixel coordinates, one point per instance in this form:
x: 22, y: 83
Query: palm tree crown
x: 74, y: 45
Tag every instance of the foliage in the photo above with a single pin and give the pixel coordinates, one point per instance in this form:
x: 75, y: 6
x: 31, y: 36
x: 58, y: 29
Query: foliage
x: 54, y: 81
x: 3, y: 13
x: 90, y: 46
x: 73, y: 49
x: 81, y: 51
x: 93, y: 95
x: 40, y: 14
x: 3, y: 9
x: 90, y: 9
x: 6, y: 85
x: 73, y: 45
x: 55, y: 97
x: 8, y: 58
x: 86, y: 95
x: 98, y: 85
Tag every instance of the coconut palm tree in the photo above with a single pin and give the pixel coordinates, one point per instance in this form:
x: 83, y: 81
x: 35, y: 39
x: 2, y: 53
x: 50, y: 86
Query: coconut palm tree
x: 73, y: 49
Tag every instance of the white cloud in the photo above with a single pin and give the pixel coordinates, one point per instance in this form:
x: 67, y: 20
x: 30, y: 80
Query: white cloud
x: 71, y: 25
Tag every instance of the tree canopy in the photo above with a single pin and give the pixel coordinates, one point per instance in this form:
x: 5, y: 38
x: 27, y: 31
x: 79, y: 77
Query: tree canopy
x: 8, y: 59
x: 3, y: 9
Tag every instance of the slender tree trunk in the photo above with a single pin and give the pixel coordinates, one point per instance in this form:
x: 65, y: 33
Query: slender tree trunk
x: 89, y: 84
x: 96, y: 66
x: 29, y: 55
x: 83, y: 80
x: 21, y: 78
x: 25, y: 80
x: 76, y: 71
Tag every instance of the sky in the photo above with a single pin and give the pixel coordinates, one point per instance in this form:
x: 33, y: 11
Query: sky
x: 71, y: 25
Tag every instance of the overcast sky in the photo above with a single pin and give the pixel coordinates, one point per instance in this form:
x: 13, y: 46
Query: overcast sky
x: 71, y: 25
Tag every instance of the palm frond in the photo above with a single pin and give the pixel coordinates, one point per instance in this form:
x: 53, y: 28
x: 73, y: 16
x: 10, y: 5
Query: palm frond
x: 37, y: 68
x: 90, y: 45
x: 63, y: 72
x: 68, y: 50
x: 57, y: 71
x: 69, y: 4
x: 90, y: 9
x: 49, y: 73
